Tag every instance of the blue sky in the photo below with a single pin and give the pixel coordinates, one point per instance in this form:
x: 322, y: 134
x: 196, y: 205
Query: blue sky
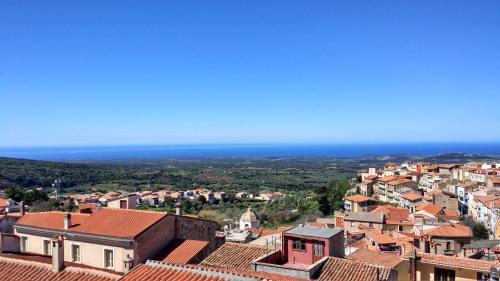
x: 139, y: 72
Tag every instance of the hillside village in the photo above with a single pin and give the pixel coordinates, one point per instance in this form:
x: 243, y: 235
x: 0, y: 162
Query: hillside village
x: 403, y: 221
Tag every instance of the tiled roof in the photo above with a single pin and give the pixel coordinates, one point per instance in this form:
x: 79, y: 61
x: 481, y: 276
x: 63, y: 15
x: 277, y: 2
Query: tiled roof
x: 4, y: 203
x: 450, y: 230
x: 119, y: 222
x: 393, y: 213
x: 389, y: 260
x: 358, y: 198
x: 266, y: 232
x: 13, y: 269
x: 185, y: 252
x: 430, y: 208
x: 412, y: 196
x: 338, y: 269
x: 379, y: 238
x: 154, y: 270
x: 235, y: 255
x: 51, y: 220
x: 456, y: 262
x: 113, y: 222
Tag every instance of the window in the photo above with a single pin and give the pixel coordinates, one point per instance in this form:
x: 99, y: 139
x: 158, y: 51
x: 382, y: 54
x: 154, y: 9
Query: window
x: 299, y: 245
x: 370, y: 224
x: 444, y: 275
x: 47, y: 247
x: 75, y: 253
x: 24, y: 243
x: 318, y: 249
x: 108, y: 258
x: 400, y: 227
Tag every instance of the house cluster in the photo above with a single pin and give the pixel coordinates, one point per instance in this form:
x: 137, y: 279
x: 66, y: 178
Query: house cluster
x: 470, y: 190
x: 121, y: 243
x: 147, y: 198
x: 410, y: 217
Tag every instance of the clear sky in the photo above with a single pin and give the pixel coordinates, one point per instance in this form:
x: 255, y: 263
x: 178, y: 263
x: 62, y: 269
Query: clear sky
x: 139, y: 72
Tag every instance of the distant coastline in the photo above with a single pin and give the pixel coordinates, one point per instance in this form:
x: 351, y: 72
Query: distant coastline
x: 245, y: 150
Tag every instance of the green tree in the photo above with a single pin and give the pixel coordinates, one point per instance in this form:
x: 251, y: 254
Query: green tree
x: 323, y: 200
x: 479, y: 232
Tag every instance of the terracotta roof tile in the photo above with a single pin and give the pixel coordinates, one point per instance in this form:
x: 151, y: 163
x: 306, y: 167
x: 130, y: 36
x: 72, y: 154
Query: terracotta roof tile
x: 51, y: 220
x: 154, y: 270
x: 379, y: 238
x: 338, y: 269
x: 389, y: 260
x: 119, y: 222
x: 430, y: 208
x: 412, y: 196
x: 113, y: 222
x: 12, y: 269
x: 185, y: 252
x: 450, y: 230
x: 456, y: 262
x: 266, y: 232
x: 235, y: 255
x: 358, y: 198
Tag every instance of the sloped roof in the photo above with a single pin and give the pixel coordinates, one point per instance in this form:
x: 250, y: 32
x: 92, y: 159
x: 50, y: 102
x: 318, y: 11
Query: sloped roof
x: 450, y: 230
x: 185, y: 252
x: 235, y: 255
x: 155, y: 270
x: 338, y: 269
x: 51, y: 220
x: 389, y: 260
x: 119, y: 222
x: 379, y: 238
x: 123, y: 223
x: 393, y: 214
x: 14, y: 269
x: 456, y: 262
x: 412, y: 196
x: 358, y: 198
x: 430, y: 208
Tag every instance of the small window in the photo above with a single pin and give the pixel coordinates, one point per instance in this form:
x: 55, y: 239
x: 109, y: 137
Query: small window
x: 318, y: 249
x: 299, y: 245
x: 108, y: 258
x: 370, y: 224
x: 47, y: 248
x: 75, y: 253
x: 24, y: 243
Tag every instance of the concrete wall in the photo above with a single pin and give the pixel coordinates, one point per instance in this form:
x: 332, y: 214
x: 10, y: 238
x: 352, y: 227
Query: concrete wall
x: 9, y: 243
x: 336, y: 245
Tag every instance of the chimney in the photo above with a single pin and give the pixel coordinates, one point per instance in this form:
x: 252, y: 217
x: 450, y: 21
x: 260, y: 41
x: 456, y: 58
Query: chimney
x: 57, y: 254
x: 413, y: 265
x: 67, y: 221
x: 178, y: 209
x: 21, y: 208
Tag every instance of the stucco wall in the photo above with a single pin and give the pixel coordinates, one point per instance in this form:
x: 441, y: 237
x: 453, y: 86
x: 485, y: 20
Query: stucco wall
x: 90, y: 254
x: 93, y: 254
x: 425, y: 272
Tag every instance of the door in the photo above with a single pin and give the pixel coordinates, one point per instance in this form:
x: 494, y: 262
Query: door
x: 318, y: 250
x: 123, y: 204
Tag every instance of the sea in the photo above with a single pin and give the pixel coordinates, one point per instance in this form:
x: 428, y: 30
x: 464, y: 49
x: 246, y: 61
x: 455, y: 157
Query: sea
x: 69, y: 153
